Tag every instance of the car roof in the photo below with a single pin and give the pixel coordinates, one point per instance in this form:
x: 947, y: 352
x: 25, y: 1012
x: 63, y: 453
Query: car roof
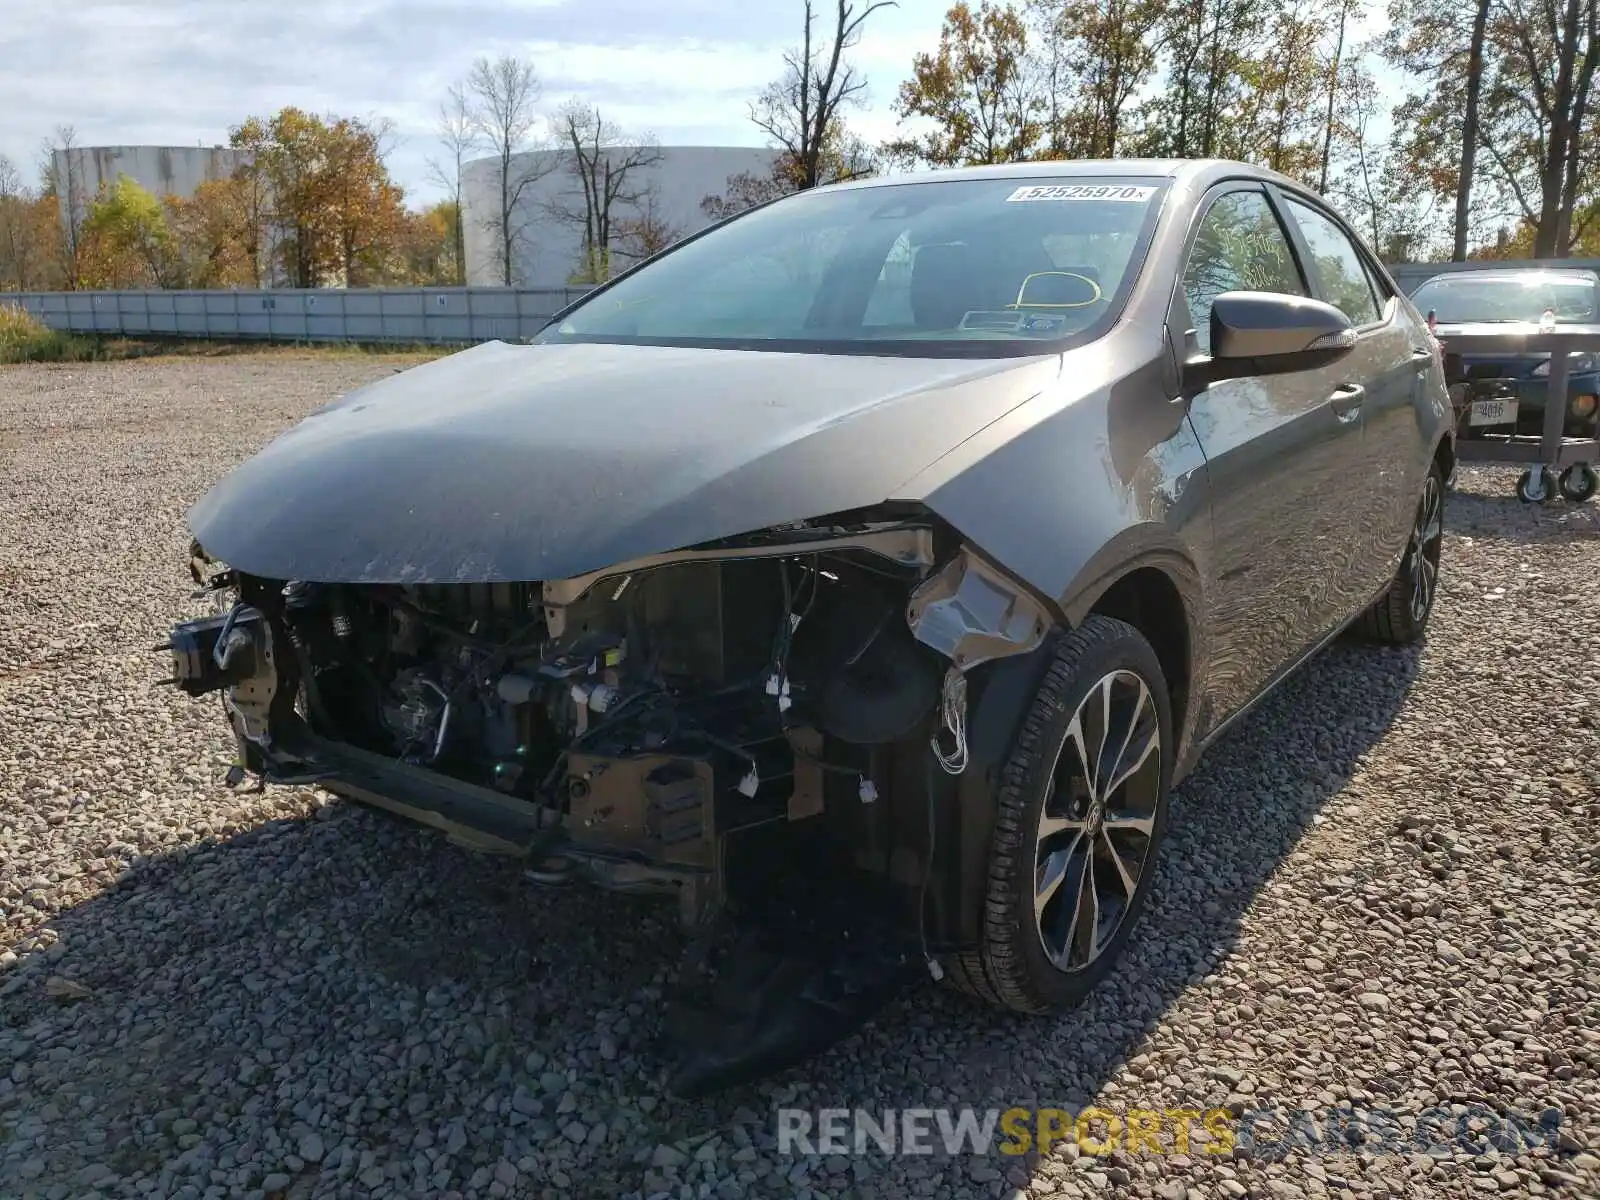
x: 1513, y: 275
x: 1197, y: 170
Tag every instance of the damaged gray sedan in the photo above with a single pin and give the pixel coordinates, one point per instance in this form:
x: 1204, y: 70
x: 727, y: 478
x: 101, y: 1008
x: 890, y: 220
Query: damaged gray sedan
x: 862, y: 572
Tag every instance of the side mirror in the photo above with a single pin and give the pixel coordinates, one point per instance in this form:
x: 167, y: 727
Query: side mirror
x: 1266, y: 333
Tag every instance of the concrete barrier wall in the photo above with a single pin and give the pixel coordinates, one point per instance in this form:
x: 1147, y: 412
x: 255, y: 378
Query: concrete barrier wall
x: 305, y: 314
x: 464, y: 315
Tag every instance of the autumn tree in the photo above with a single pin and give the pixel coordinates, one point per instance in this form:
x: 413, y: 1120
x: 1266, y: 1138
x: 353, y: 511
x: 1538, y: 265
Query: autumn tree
x: 976, y: 89
x: 216, y: 233
x: 64, y: 184
x: 1208, y: 45
x: 1376, y: 181
x: 1440, y: 47
x: 844, y: 156
x: 748, y: 189
x: 458, y: 136
x: 504, y: 95
x: 1278, y: 116
x: 23, y: 252
x: 426, y: 247
x: 332, y: 212
x: 608, y: 176
x: 1537, y: 126
x: 1098, y: 55
x: 802, y: 111
x: 1339, y: 74
x: 365, y: 209
x: 125, y: 240
x: 287, y: 156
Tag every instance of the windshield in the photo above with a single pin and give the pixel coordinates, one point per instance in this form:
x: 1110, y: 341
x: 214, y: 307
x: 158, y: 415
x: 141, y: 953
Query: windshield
x: 1464, y: 300
x: 972, y: 266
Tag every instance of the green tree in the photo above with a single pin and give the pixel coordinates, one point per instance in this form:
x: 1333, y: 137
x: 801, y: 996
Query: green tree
x: 126, y: 240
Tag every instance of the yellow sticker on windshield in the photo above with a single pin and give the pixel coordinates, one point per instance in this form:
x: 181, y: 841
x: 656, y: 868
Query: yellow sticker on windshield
x: 1081, y: 191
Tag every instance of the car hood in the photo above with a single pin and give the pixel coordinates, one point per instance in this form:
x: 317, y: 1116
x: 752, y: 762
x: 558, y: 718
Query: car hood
x: 511, y: 462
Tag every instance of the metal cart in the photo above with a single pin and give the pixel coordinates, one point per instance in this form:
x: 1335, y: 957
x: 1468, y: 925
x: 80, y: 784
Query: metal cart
x: 1562, y: 466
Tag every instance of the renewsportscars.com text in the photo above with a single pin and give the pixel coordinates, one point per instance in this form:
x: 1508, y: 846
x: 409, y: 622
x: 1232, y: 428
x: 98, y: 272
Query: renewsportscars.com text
x: 1261, y: 1133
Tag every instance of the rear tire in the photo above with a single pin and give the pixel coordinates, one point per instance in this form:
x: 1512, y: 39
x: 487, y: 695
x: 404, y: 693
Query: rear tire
x: 1080, y: 816
x: 1401, y: 614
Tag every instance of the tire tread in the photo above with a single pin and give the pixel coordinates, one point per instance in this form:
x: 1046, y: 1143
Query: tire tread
x: 995, y: 971
x: 1389, y: 621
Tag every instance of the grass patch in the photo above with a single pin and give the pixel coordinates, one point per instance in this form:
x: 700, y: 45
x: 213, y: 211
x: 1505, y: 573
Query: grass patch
x: 26, y: 339
x: 114, y: 348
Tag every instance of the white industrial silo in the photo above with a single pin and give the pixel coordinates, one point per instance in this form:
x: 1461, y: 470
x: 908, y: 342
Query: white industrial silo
x: 547, y: 249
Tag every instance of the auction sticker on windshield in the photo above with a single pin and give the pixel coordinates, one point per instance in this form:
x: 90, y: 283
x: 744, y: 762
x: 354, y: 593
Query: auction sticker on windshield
x: 1081, y: 191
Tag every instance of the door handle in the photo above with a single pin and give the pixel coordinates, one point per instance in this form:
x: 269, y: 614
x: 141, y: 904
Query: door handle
x: 1421, y: 352
x: 1346, y: 401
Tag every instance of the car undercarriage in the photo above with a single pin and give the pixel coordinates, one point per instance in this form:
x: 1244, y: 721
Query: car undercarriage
x: 744, y: 726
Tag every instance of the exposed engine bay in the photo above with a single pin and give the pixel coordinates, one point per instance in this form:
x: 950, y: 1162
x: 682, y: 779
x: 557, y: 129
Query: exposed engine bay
x: 658, y: 726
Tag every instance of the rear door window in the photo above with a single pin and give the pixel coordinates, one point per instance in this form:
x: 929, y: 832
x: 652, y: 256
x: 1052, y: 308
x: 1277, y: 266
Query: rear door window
x: 1338, y: 265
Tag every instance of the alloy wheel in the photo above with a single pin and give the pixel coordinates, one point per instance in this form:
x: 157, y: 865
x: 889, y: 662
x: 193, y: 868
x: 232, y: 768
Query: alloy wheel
x: 1097, y: 823
x: 1427, y: 537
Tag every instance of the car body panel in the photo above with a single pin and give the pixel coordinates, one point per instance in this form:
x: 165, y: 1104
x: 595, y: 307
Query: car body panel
x: 1397, y: 418
x: 506, y: 463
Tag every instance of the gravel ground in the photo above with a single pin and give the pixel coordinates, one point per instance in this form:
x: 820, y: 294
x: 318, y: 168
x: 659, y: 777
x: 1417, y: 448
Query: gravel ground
x: 1381, y: 889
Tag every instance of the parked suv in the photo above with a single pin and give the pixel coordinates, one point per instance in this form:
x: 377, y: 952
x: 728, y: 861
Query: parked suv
x: 899, y: 543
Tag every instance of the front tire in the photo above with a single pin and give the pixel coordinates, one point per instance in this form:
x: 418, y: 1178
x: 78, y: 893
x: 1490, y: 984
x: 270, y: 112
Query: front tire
x: 1401, y: 614
x: 1080, y: 816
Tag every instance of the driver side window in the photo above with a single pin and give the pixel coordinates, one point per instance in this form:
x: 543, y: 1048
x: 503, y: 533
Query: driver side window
x: 1240, y: 247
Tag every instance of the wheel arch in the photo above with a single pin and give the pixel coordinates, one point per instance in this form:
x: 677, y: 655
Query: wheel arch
x: 1444, y: 454
x: 1149, y: 599
x: 1159, y: 591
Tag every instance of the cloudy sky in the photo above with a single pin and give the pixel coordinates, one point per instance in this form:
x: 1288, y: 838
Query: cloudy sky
x: 180, y: 72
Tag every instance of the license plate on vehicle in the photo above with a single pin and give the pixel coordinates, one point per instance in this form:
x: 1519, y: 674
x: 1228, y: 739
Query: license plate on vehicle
x: 1492, y: 412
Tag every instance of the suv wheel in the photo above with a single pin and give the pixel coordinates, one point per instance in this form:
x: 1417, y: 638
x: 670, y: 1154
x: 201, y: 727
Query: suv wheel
x: 1081, y: 811
x: 1401, y: 613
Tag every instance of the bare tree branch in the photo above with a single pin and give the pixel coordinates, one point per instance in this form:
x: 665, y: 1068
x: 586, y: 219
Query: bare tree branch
x: 801, y: 110
x: 611, y: 172
x: 458, y: 134
x: 505, y: 94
